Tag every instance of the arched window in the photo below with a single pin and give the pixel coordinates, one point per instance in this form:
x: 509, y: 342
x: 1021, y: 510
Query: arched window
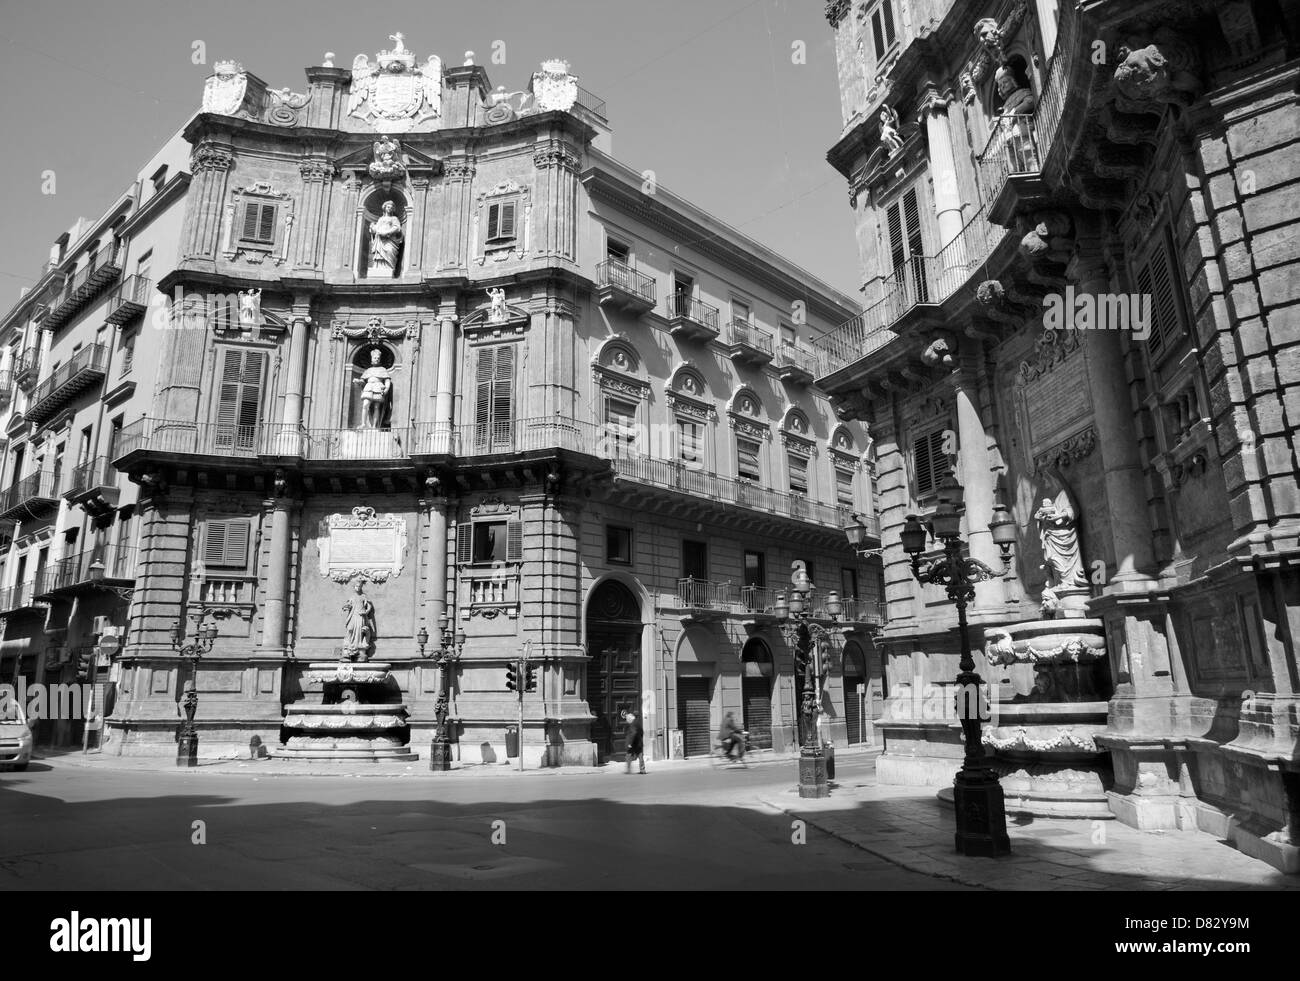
x: 796, y: 436
x: 692, y: 412
x: 752, y: 433
x: 622, y: 392
x: 845, y: 466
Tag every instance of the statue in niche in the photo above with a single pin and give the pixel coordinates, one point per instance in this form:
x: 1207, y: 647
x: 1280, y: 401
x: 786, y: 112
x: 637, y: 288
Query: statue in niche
x: 385, y: 242
x: 359, y: 626
x: 889, y: 135
x: 1058, y: 533
x: 376, y: 383
x: 498, y: 313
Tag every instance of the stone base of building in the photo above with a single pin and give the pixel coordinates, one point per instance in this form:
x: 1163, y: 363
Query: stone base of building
x: 919, y: 753
x: 226, y: 739
x: 391, y: 754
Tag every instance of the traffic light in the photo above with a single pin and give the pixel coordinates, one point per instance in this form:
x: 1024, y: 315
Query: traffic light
x: 512, y: 676
x: 530, y: 678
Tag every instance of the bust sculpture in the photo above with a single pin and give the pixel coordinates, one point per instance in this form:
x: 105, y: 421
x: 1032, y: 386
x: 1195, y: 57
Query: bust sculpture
x: 385, y: 241
x: 376, y: 392
x: 359, y: 626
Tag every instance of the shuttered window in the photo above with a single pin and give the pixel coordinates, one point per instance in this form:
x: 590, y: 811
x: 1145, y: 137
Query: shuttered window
x: 486, y: 542
x: 844, y: 488
x: 882, y: 29
x: 798, y: 473
x: 225, y: 544
x: 690, y: 442
x: 929, y: 464
x: 906, y: 246
x: 239, y: 401
x: 259, y: 223
x: 1156, y: 278
x: 620, y: 427
x: 747, y: 468
x: 494, y: 398
x: 501, y: 221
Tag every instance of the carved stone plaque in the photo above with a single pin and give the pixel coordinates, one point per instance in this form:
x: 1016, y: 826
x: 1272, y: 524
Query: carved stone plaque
x: 1052, y: 389
x: 363, y: 544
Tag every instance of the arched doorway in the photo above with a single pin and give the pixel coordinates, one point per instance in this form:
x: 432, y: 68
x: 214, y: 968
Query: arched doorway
x: 614, y: 671
x: 855, y: 691
x: 756, y: 692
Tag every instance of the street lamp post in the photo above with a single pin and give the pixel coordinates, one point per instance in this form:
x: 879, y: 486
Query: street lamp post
x: 449, y: 648
x: 977, y: 794
x: 187, y: 740
x: 806, y: 634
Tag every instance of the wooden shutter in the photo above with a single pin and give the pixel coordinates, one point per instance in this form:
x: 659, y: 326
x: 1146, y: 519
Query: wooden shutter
x: 250, y: 221
x: 266, y: 226
x: 912, y: 219
x: 887, y: 9
x: 929, y: 462
x: 503, y: 391
x: 798, y: 473
x: 514, y: 541
x: 464, y: 543
x: 214, y: 543
x: 494, y: 221
x: 486, y: 360
x: 897, y: 245
x: 507, y: 229
x: 240, y: 398
x: 1156, y: 280
x: 225, y: 544
x: 877, y: 34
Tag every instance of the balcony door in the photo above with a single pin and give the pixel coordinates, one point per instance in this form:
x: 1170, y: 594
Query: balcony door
x: 494, y: 399
x: 906, y: 251
x: 239, y: 406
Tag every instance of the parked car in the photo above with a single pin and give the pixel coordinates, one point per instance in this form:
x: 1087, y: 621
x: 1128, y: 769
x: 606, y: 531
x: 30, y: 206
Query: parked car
x: 15, y: 735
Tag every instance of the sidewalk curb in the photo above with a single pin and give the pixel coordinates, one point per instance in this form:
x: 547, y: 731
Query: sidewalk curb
x: 891, y: 859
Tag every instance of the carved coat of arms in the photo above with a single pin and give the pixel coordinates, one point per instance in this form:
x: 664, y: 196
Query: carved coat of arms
x: 224, y: 91
x: 395, y: 93
x: 553, y: 87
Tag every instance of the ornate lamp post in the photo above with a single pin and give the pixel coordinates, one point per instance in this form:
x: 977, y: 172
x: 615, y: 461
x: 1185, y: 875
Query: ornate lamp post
x: 449, y: 648
x: 807, y: 635
x: 187, y: 740
x: 981, y: 814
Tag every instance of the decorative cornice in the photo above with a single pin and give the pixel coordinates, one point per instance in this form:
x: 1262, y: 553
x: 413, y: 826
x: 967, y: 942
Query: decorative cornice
x: 209, y: 156
x: 835, y: 11
x: 691, y: 406
x: 1070, y: 450
x: 374, y: 330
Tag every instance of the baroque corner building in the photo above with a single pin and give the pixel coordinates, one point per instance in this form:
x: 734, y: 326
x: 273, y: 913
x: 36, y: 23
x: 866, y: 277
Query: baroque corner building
x: 435, y: 364
x: 1079, y: 283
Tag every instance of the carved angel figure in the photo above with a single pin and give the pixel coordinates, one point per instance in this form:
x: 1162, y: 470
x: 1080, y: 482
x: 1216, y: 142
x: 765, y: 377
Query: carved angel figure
x: 1059, y: 536
x: 363, y: 81
x: 889, y: 134
x: 498, y: 313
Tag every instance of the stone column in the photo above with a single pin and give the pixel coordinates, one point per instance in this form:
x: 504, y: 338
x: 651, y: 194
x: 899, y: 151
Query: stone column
x: 975, y: 470
x: 444, y: 406
x: 457, y: 213
x: 943, y: 167
x: 296, y: 382
x: 437, y: 595
x: 1117, y: 438
x: 274, y: 616
x: 307, y: 249
x: 210, y: 163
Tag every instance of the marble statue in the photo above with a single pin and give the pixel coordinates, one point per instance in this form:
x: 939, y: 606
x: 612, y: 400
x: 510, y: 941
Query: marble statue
x: 359, y: 626
x: 889, y: 134
x: 1058, y: 533
x: 376, y: 392
x: 498, y: 313
x: 385, y: 241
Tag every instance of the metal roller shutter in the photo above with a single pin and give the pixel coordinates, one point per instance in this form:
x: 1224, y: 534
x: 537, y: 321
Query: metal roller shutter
x: 853, y: 709
x: 693, y: 715
x: 757, y: 694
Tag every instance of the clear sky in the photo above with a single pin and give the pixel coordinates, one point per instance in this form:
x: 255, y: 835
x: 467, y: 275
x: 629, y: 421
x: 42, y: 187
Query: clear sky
x: 705, y: 94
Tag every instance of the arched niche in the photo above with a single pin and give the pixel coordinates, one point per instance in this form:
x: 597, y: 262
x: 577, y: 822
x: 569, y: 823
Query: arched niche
x: 745, y: 402
x: 391, y: 247
x: 371, y: 382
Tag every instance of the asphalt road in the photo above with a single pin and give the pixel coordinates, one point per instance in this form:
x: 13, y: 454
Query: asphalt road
x: 70, y: 827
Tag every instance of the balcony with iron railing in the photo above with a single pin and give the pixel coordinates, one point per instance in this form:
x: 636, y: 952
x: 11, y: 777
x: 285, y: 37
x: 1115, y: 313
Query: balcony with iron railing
x: 172, y: 438
x: 85, y: 368
x: 621, y: 287
x: 591, y: 103
x: 6, y: 387
x: 690, y: 319
x: 27, y: 367
x: 20, y: 598
x: 93, y: 485
x: 95, y: 568
x: 701, y: 596
x: 101, y: 269
x: 334, y: 445
x: 129, y: 300
x: 747, y: 344
x: 510, y: 436
x: 795, y: 366
x: 32, y: 496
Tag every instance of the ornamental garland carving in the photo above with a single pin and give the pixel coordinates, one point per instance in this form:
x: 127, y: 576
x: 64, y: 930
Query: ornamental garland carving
x: 374, y: 330
x: 1051, y: 348
x: 1067, y: 452
x: 687, y: 406
x: 1073, y: 650
x: 747, y: 427
x: 1020, y: 739
x: 615, y: 381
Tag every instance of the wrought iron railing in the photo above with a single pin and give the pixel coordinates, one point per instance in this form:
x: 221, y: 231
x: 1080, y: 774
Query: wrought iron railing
x: 789, y: 356
x: 102, y: 562
x: 41, y: 486
x: 701, y: 594
x: 620, y: 275
x: 87, y: 364
x: 130, y: 299
x: 98, y: 472
x: 591, y: 102
x: 18, y: 597
x: 742, y: 332
x: 278, y: 439
x: 684, y: 306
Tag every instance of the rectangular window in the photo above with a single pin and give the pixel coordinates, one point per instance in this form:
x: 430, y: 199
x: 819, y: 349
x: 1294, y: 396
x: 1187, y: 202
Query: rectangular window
x: 114, y: 436
x: 83, y: 450
x: 259, y: 223
x: 929, y: 464
x: 844, y: 488
x: 882, y: 29
x: 849, y: 583
x: 494, y: 398
x: 618, y: 544
x: 747, y: 468
x: 695, y: 560
x: 617, y: 251
x: 226, y: 544
x: 239, y: 400
x: 501, y: 222
x: 798, y: 466
x: 788, y: 336
x: 755, y: 569
x: 740, y: 311
x: 620, y: 427
x: 1156, y: 278
x: 489, y: 542
x: 690, y: 443
x: 906, y: 246
x: 128, y: 354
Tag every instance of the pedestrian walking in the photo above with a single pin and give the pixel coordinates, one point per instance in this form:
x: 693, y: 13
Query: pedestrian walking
x: 635, y: 737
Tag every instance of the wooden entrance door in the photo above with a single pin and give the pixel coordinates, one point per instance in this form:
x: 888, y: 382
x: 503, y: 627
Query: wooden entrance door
x: 614, y: 671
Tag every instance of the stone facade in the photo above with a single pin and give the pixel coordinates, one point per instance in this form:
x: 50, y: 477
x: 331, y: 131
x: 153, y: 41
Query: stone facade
x: 533, y: 400
x: 1099, y: 298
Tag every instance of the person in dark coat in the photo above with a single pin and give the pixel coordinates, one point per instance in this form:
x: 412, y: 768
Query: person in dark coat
x: 635, y: 736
